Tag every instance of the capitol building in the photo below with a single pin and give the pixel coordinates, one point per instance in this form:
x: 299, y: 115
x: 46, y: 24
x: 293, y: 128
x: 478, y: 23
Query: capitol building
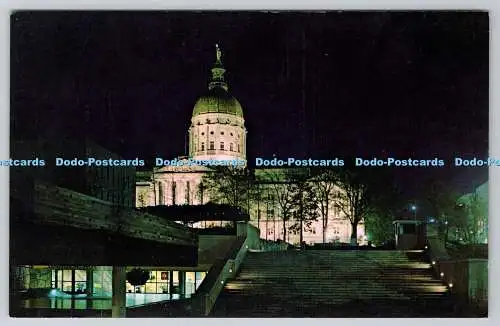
x: 217, y: 132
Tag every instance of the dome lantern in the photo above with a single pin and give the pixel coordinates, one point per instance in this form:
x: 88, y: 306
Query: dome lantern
x: 218, y: 72
x: 218, y: 99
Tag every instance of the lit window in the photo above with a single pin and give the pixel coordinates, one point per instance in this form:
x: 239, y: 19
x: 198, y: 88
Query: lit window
x: 221, y: 145
x: 231, y: 147
x: 202, y: 146
x: 212, y: 145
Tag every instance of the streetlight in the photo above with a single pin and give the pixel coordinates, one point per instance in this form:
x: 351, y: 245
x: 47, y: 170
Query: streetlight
x: 414, y: 209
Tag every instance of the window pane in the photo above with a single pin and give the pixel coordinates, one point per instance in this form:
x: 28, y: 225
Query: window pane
x: 67, y: 275
x: 150, y: 288
x: 162, y: 287
x: 130, y: 288
x: 80, y: 286
x: 67, y: 286
x: 190, y: 284
x: 80, y: 275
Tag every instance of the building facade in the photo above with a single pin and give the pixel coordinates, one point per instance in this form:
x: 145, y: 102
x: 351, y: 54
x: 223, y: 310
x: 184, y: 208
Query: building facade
x: 217, y: 132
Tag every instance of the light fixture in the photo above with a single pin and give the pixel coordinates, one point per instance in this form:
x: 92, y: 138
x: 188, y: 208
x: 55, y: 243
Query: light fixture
x: 442, y: 274
x: 433, y: 262
x: 426, y: 247
x: 450, y: 285
x: 230, y: 270
x: 221, y: 282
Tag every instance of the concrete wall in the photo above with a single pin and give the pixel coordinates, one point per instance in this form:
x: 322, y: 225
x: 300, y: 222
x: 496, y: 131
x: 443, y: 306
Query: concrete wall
x: 212, y: 247
x: 469, y: 278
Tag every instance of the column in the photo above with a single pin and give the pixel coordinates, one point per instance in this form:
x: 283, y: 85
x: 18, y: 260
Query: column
x: 119, y: 292
x: 182, y: 283
x: 171, y: 283
x: 167, y: 190
x: 89, y: 289
x: 182, y: 192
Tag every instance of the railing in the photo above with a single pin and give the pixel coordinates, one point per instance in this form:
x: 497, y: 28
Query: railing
x: 222, y: 270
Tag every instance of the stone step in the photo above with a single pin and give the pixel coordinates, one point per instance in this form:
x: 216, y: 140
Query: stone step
x: 332, y: 294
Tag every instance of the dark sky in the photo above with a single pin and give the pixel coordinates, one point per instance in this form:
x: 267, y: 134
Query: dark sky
x: 311, y: 84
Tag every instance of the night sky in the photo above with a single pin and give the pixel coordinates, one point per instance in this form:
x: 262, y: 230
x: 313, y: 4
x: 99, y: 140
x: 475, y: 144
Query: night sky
x: 318, y: 85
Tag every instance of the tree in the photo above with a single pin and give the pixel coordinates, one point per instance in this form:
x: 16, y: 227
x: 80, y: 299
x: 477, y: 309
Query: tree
x: 324, y: 186
x: 138, y: 276
x: 352, y: 199
x: 281, y: 186
x: 305, y: 206
x: 443, y: 201
x: 229, y: 185
x: 385, y: 201
x: 360, y: 191
x: 470, y: 219
x: 378, y: 224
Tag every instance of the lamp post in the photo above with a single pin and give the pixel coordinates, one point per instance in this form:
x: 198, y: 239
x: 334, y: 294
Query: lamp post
x: 414, y: 209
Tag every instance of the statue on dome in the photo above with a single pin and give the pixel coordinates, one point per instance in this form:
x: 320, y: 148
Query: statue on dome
x: 218, y: 52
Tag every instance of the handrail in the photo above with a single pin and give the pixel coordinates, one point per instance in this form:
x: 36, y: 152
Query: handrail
x: 213, y: 284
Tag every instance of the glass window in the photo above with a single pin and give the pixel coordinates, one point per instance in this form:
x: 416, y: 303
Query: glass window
x: 222, y: 145
x: 80, y: 275
x: 80, y: 286
x: 130, y: 288
x: 212, y: 145
x: 67, y: 286
x: 190, y: 283
x: 200, y: 276
x: 67, y: 275
x: 202, y: 146
x: 102, y: 286
x: 409, y: 229
x: 150, y: 287
x: 231, y: 147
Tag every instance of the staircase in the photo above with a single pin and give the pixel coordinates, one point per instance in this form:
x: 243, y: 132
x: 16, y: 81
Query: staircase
x: 335, y: 283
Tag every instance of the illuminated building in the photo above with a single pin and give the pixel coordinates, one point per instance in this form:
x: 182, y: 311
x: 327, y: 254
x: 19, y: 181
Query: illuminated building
x: 217, y: 132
